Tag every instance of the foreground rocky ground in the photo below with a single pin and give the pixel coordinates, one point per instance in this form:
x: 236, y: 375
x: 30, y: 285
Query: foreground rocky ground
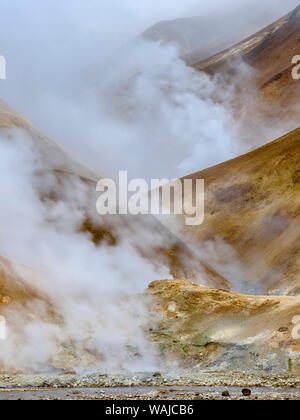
x: 153, y: 394
x: 157, y: 386
x: 215, y: 330
x: 198, y: 379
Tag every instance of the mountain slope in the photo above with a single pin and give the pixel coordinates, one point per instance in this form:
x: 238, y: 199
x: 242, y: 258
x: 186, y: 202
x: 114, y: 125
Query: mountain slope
x: 200, y: 37
x: 253, y: 205
x: 55, y: 156
x: 186, y: 34
x: 213, y: 329
x: 269, y: 52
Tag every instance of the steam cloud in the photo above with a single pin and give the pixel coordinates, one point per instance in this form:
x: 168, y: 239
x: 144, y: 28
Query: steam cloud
x: 89, y: 286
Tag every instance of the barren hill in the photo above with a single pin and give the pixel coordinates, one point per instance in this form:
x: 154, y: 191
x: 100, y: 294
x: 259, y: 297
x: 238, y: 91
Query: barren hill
x: 269, y: 52
x: 55, y: 157
x: 252, y: 205
x: 200, y: 37
x: 213, y: 329
x: 187, y: 35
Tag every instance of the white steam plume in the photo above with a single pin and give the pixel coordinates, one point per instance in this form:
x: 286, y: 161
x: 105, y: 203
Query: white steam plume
x: 90, y: 287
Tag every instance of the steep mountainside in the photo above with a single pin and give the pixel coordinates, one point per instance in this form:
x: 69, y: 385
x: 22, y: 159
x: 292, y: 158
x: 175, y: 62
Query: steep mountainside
x: 252, y: 204
x: 269, y: 52
x: 196, y: 326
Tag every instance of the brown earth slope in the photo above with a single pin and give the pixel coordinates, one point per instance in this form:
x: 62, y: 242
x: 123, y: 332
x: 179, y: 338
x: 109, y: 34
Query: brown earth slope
x: 12, y: 287
x: 269, y: 52
x: 200, y: 37
x: 197, y: 326
x: 252, y: 204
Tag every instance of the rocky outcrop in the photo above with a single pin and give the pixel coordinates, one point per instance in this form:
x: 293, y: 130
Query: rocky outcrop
x: 193, y: 325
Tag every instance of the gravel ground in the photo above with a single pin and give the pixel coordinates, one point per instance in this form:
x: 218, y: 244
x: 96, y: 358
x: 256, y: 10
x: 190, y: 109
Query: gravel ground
x: 149, y: 386
x: 150, y: 393
x: 201, y: 378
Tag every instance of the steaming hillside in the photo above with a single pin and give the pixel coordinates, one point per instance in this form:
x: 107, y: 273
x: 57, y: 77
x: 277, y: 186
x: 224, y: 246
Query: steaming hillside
x: 251, y: 229
x: 59, y: 255
x: 55, y: 157
x: 13, y: 289
x: 197, y: 326
x: 186, y: 33
x: 252, y: 204
x: 58, y: 161
x: 269, y: 52
x: 200, y: 37
x: 252, y: 80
